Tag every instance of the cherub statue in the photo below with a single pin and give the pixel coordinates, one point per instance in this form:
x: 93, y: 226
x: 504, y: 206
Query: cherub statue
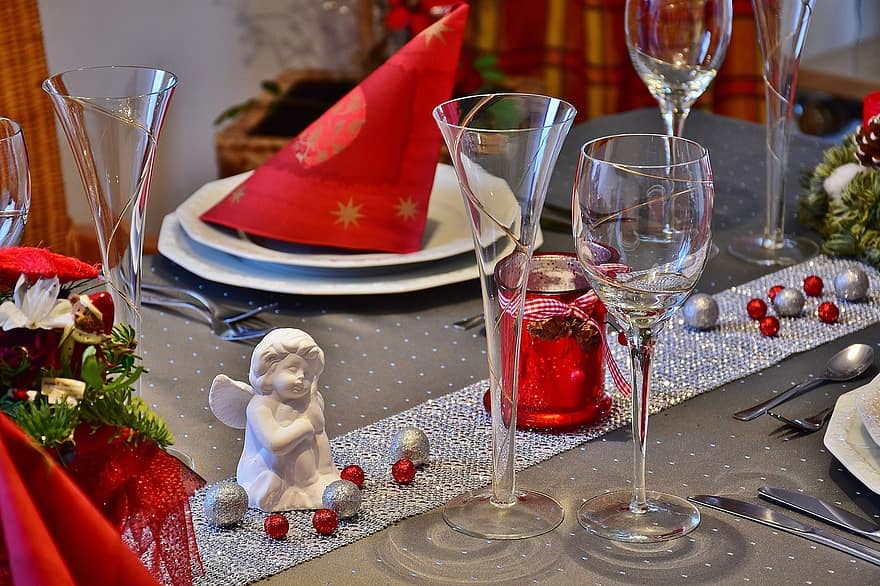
x: 286, y: 461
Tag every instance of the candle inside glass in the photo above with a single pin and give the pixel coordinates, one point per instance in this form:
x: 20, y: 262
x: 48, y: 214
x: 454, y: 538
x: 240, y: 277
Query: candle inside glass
x: 561, y: 370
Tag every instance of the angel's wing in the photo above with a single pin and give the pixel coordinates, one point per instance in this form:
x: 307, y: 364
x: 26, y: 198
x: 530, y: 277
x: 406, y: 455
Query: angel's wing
x: 228, y: 400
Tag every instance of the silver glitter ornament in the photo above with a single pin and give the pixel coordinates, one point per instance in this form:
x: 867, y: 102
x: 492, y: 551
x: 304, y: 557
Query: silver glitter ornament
x: 851, y: 284
x: 700, y: 311
x: 410, y: 443
x: 225, y: 504
x: 343, y: 497
x: 788, y: 302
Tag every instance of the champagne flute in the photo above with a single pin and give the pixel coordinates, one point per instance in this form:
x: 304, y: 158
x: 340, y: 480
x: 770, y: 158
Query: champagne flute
x: 619, y: 179
x: 15, y: 183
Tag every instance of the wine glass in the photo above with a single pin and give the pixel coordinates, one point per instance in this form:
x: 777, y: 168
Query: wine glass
x: 504, y: 148
x: 15, y: 183
x: 677, y: 46
x: 619, y: 179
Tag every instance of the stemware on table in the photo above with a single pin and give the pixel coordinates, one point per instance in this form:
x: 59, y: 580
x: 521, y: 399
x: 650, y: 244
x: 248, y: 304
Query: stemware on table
x: 619, y: 180
x: 15, y: 183
x: 782, y: 28
x: 504, y: 148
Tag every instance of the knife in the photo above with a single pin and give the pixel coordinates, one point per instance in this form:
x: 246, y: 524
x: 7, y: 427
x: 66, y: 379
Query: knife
x: 822, y: 510
x: 767, y: 516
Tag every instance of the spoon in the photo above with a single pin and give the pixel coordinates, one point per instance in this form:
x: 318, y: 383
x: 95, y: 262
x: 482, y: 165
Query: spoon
x: 845, y: 365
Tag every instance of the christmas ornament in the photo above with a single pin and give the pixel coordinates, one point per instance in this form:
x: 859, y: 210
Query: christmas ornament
x: 828, y: 312
x: 412, y: 444
x: 700, y: 311
x: 325, y: 521
x: 813, y: 286
x: 621, y: 338
x: 851, y: 284
x: 353, y: 473
x: 756, y: 308
x: 867, y: 143
x: 343, y: 497
x: 225, y: 504
x: 773, y: 291
x: 276, y: 526
x: 403, y: 471
x: 769, y: 326
x: 789, y: 302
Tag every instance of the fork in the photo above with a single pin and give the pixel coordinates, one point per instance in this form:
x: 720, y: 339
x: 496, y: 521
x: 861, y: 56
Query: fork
x: 231, y: 331
x: 806, y: 424
x: 468, y: 322
x: 229, y: 316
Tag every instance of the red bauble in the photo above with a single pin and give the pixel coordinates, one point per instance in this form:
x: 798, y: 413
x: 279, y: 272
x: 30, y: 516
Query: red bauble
x: 20, y: 394
x: 756, y: 308
x: 325, y: 521
x: 353, y: 473
x: 621, y: 339
x: 828, y: 312
x: 773, y: 291
x: 276, y: 526
x: 769, y: 326
x: 403, y: 471
x: 813, y: 286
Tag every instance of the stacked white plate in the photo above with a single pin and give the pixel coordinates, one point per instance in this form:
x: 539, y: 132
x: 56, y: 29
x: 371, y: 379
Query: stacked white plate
x: 853, y: 434
x: 234, y: 258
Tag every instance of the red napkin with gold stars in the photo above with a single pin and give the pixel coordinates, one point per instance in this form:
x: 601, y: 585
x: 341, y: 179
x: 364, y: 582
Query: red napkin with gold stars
x: 360, y: 176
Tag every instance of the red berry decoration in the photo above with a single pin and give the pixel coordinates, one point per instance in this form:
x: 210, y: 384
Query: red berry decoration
x: 813, y: 286
x: 769, y: 326
x: 828, y: 312
x: 403, y: 471
x: 276, y: 526
x: 353, y: 473
x: 756, y: 308
x: 773, y: 291
x: 20, y: 394
x: 325, y: 521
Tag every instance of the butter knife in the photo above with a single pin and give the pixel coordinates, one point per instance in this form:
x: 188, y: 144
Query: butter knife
x: 767, y: 516
x: 822, y: 510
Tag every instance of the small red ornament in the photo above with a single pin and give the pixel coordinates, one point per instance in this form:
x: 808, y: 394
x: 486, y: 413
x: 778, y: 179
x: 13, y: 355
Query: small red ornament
x: 325, y: 521
x: 769, y: 326
x: 773, y: 291
x: 577, y: 376
x: 828, y: 312
x: 756, y: 308
x: 621, y: 339
x: 20, y: 394
x: 353, y: 473
x: 813, y: 286
x: 276, y: 526
x: 403, y: 471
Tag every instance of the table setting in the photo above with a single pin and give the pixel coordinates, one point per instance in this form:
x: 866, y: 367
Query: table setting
x: 408, y: 376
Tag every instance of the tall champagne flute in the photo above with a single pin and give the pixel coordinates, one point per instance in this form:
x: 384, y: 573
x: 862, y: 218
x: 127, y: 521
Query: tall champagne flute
x: 15, y: 183
x: 504, y: 148
x: 619, y: 179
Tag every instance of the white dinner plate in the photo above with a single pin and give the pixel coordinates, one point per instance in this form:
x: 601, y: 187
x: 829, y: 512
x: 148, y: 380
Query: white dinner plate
x: 231, y: 269
x: 849, y: 441
x: 446, y: 232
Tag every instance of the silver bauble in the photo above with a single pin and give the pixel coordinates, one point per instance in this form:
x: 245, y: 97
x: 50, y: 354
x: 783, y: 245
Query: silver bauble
x: 851, y: 284
x: 343, y: 497
x: 700, y: 311
x: 788, y: 302
x: 410, y: 443
x: 225, y: 504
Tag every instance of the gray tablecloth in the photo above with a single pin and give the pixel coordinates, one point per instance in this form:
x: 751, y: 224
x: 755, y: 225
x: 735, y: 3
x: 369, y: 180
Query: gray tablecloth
x: 387, y: 353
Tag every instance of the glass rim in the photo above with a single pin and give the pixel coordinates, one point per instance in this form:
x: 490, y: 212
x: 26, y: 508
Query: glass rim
x: 15, y: 127
x: 48, y: 87
x: 572, y: 111
x: 702, y: 153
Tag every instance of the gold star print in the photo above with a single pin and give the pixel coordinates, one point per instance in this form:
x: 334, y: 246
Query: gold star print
x: 236, y: 195
x: 348, y: 214
x: 406, y: 208
x: 436, y: 31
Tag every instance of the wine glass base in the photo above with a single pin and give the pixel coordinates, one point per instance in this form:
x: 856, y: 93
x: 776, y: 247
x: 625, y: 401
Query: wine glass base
x: 794, y: 250
x: 609, y: 516
x: 473, y: 513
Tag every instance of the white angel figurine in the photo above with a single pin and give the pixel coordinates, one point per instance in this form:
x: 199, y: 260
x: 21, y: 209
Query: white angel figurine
x: 286, y: 461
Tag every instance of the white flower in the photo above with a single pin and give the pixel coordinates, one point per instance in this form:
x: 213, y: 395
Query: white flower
x: 36, y: 307
x: 840, y: 178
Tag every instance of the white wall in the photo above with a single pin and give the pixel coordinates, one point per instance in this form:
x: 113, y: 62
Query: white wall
x: 222, y: 49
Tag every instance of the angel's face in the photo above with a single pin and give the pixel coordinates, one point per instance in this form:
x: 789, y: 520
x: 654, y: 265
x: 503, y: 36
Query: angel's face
x: 291, y: 378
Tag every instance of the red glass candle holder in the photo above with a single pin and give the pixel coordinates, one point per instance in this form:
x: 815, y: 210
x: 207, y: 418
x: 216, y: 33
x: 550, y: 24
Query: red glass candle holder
x: 561, y: 371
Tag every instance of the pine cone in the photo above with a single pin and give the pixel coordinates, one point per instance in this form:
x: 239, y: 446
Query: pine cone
x: 867, y: 141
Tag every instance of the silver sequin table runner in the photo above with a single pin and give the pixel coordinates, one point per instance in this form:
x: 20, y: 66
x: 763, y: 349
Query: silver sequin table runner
x: 687, y: 363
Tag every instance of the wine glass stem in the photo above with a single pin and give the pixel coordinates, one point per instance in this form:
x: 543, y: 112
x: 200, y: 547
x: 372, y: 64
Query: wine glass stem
x: 641, y: 344
x: 674, y: 117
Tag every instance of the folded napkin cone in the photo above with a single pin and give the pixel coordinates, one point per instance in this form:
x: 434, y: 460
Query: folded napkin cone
x: 360, y: 176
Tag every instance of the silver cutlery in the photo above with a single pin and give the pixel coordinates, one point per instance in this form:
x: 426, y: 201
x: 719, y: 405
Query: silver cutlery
x: 771, y: 518
x: 822, y: 510
x: 231, y: 331
x: 845, y: 365
x: 224, y: 314
x: 805, y: 424
x: 469, y: 322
